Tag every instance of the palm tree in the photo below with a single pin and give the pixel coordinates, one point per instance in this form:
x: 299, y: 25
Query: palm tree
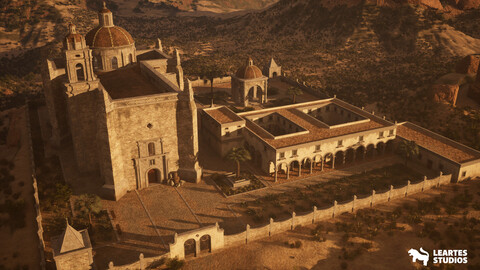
x: 294, y: 92
x: 408, y: 149
x: 238, y: 154
x: 88, y: 204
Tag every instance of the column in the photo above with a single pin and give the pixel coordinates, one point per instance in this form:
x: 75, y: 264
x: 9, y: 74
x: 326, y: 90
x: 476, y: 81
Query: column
x: 288, y: 171
x: 323, y: 162
x: 276, y: 177
x: 311, y: 167
x: 333, y: 162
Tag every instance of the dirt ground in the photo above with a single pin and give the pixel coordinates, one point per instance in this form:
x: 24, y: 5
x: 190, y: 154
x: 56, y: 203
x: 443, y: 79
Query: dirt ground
x: 386, y: 251
x: 20, y: 247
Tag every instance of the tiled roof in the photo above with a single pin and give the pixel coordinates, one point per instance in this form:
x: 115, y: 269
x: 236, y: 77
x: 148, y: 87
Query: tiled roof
x: 316, y: 132
x: 108, y: 37
x: 442, y: 147
x: 223, y: 115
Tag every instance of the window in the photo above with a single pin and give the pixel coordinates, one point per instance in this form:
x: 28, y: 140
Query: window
x: 317, y: 147
x: 294, y: 152
x: 114, y: 63
x: 80, y: 72
x: 380, y: 134
x: 282, y: 155
x: 464, y: 173
x: 390, y: 133
x: 152, y: 161
x: 360, y: 139
x: 151, y: 149
x: 340, y: 143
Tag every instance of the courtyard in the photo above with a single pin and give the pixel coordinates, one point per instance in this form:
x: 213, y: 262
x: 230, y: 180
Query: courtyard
x: 147, y: 219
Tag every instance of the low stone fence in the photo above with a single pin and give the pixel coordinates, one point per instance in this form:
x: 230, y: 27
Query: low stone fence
x: 206, y: 83
x: 316, y: 215
x: 36, y: 201
x: 219, y: 241
x: 316, y: 92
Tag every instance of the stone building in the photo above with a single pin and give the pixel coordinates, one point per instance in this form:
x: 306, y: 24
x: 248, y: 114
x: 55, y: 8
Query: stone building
x: 300, y: 139
x: 272, y: 70
x: 129, y: 119
x: 249, y: 84
x: 72, y: 250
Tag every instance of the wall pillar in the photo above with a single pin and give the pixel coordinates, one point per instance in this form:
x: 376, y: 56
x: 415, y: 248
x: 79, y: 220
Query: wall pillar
x: 288, y: 172
x: 390, y: 193
x: 197, y: 247
x: 311, y: 167
x: 406, y: 190
x: 276, y: 174
x: 353, y: 202
x: 424, y: 183
x: 314, y: 213
x: 334, y: 208
x: 246, y: 233
x: 322, y: 163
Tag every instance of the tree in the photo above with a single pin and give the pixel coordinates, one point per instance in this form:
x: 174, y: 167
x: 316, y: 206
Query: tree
x: 62, y: 194
x: 206, y: 68
x: 408, y: 149
x: 88, y: 204
x: 294, y: 92
x: 238, y: 154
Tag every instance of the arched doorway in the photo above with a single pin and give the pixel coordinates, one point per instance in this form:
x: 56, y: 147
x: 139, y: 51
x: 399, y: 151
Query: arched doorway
x: 80, y: 72
x: 380, y: 148
x: 282, y: 169
x: 154, y: 176
x: 250, y: 94
x: 295, y: 167
x: 274, y: 74
x: 205, y: 243
x: 190, y: 248
x: 114, y: 63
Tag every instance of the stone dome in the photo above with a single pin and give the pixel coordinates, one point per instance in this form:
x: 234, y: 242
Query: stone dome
x: 108, y: 37
x: 249, y: 71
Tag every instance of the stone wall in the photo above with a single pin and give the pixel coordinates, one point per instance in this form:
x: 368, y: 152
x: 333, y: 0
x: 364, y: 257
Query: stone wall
x: 316, y: 215
x: 206, y: 83
x: 316, y: 92
x: 38, y: 214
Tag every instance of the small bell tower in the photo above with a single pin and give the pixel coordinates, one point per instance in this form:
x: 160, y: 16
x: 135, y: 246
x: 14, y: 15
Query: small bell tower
x: 78, y: 57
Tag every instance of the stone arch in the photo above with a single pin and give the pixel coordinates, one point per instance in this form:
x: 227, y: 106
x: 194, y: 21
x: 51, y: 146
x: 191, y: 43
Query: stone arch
x: 307, y: 165
x: 275, y: 74
x: 114, y: 62
x: 97, y: 62
x: 380, y: 148
x: 390, y: 146
x: 296, y: 165
x: 283, y: 169
x: 328, y: 160
x: 153, y: 175
x: 350, y: 155
x: 339, y: 158
x: 250, y: 95
x: 190, y: 248
x: 205, y: 243
x: 80, y: 72
x: 360, y: 153
x: 370, y: 151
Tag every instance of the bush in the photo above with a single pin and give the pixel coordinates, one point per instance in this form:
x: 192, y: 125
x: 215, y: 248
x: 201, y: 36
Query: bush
x: 298, y: 244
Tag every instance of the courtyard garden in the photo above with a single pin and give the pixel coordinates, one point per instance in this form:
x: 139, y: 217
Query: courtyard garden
x: 221, y: 182
x: 280, y: 206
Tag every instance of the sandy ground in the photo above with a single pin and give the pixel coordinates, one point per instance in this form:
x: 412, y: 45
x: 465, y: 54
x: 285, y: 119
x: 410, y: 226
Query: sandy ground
x: 387, y: 252
x: 20, y: 247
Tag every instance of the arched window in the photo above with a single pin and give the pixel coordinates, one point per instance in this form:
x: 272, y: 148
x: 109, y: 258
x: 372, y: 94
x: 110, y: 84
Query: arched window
x: 114, y: 63
x: 97, y: 62
x: 80, y: 72
x: 151, y: 149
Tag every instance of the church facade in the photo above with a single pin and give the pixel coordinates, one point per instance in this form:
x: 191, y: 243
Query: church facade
x: 128, y: 113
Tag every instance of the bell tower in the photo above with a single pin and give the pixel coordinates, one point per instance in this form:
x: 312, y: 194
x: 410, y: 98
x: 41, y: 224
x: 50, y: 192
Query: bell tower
x: 78, y: 57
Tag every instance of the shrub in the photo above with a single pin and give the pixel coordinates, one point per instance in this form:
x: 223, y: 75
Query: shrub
x: 298, y: 244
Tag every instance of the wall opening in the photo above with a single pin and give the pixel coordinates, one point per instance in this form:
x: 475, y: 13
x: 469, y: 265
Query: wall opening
x: 80, y: 72
x: 154, y: 176
x: 114, y: 63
